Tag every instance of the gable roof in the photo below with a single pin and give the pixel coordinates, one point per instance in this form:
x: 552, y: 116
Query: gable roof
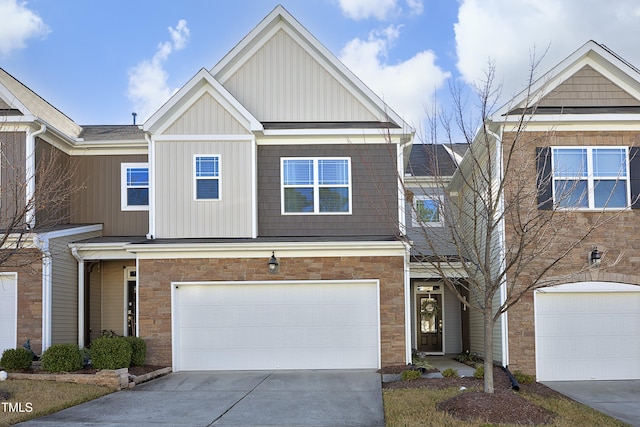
x: 279, y: 23
x: 428, y: 160
x: 612, y: 83
x: 16, y: 99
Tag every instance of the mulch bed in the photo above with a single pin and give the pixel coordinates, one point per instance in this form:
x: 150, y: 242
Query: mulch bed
x: 503, y: 406
x: 134, y: 370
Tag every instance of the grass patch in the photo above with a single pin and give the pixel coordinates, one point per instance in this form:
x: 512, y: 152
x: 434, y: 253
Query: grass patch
x: 417, y: 407
x: 45, y: 397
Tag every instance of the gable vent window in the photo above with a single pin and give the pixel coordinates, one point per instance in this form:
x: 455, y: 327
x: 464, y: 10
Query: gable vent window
x: 316, y: 185
x: 134, y: 186
x: 207, y: 177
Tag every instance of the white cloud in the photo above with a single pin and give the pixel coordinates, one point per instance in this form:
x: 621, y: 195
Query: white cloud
x: 405, y: 86
x: 19, y: 24
x: 148, y: 86
x: 509, y: 31
x: 378, y: 9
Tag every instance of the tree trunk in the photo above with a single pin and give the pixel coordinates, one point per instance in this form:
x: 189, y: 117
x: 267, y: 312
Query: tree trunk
x: 487, y: 318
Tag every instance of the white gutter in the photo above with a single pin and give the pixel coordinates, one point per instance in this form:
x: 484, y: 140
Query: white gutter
x: 151, y: 159
x: 42, y: 243
x: 30, y: 174
x: 502, y: 245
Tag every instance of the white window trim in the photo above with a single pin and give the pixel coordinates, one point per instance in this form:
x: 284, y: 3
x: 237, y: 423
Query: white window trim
x: 417, y: 222
x: 196, y: 178
x: 316, y: 186
x: 590, y: 178
x: 124, y: 205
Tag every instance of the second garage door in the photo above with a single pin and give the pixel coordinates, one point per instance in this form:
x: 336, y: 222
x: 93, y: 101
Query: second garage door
x: 588, y: 331
x: 284, y: 325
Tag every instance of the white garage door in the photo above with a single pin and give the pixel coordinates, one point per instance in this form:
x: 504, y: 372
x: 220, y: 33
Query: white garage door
x: 290, y: 325
x: 8, y: 314
x: 588, y: 331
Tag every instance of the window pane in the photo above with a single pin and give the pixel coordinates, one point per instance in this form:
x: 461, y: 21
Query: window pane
x: 610, y: 194
x: 137, y: 196
x: 334, y: 199
x: 570, y: 162
x: 207, y: 189
x: 333, y: 172
x: 207, y: 166
x: 137, y: 177
x: 609, y: 162
x: 298, y: 172
x: 428, y: 210
x: 571, y: 194
x: 298, y: 199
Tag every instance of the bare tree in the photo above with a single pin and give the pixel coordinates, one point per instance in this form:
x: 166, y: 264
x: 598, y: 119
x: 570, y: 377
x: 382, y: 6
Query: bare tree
x: 503, y: 226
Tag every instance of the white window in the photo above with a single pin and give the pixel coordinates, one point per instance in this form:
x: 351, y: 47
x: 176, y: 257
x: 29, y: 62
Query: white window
x: 591, y: 177
x: 427, y: 210
x: 316, y: 185
x: 207, y: 177
x: 134, y: 180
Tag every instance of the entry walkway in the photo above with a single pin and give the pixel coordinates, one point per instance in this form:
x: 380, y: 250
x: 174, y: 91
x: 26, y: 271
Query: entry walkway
x: 238, y: 398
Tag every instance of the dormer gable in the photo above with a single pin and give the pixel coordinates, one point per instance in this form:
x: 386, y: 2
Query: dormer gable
x: 202, y: 107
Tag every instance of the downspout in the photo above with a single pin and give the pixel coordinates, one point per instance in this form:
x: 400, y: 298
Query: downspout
x: 502, y: 243
x: 81, y: 296
x: 151, y: 154
x: 30, y: 174
x: 42, y: 243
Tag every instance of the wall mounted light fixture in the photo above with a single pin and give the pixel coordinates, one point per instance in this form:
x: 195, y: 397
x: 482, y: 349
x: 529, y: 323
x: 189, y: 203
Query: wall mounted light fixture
x: 273, y: 263
x: 595, y: 257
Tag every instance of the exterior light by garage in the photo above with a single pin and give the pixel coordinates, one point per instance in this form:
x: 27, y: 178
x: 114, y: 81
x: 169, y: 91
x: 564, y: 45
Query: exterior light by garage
x: 273, y: 263
x: 595, y: 257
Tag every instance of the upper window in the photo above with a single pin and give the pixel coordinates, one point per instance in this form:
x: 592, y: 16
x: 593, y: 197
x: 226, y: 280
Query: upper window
x: 427, y: 211
x: 135, y: 186
x: 316, y: 185
x: 207, y: 177
x: 590, y: 177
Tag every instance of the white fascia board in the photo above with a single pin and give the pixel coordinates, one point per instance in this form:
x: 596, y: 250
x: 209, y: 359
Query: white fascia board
x: 239, y: 137
x: 27, y: 241
x: 71, y: 231
x: 203, y: 82
x: 110, y: 150
x: 590, y: 287
x: 281, y: 19
x: 424, y: 270
x: 101, y: 251
x: 264, y: 250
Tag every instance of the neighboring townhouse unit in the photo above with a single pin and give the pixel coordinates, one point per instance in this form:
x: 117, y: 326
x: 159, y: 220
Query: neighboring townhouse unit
x: 252, y: 222
x: 581, y: 158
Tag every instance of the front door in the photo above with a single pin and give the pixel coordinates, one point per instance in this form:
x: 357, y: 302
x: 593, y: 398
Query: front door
x: 131, y: 308
x: 429, y: 327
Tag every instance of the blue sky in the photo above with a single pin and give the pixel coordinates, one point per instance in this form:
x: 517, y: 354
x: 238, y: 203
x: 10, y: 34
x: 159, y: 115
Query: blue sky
x: 98, y: 61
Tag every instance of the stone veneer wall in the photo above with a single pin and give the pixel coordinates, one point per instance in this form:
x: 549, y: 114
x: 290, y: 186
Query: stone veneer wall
x: 155, y: 277
x: 619, y: 237
x: 28, y: 265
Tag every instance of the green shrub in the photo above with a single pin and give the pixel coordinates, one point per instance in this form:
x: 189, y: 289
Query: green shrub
x: 450, y: 373
x: 110, y: 353
x: 139, y: 350
x: 62, y: 358
x: 410, y: 374
x: 479, y: 372
x: 523, y: 378
x: 16, y: 359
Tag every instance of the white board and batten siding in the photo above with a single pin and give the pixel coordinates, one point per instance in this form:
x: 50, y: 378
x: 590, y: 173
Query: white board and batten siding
x: 8, y: 311
x: 276, y: 325
x: 231, y: 216
x: 588, y: 331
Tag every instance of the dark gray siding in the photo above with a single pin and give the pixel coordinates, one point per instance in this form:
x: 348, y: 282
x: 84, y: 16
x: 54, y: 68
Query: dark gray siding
x: 98, y: 202
x: 55, y: 185
x: 374, y: 192
x: 12, y: 178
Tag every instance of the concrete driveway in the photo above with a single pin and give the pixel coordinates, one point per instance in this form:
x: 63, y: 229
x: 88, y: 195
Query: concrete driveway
x: 238, y: 398
x: 620, y: 399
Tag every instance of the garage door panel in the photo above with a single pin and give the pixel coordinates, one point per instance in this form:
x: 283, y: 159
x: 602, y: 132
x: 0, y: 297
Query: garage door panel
x: 276, y: 326
x: 587, y: 335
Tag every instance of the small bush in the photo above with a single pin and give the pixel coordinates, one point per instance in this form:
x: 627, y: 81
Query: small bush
x: 62, y: 358
x: 110, y: 353
x: 410, y: 374
x: 479, y: 372
x: 523, y: 378
x: 450, y: 373
x: 16, y: 359
x: 139, y: 350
